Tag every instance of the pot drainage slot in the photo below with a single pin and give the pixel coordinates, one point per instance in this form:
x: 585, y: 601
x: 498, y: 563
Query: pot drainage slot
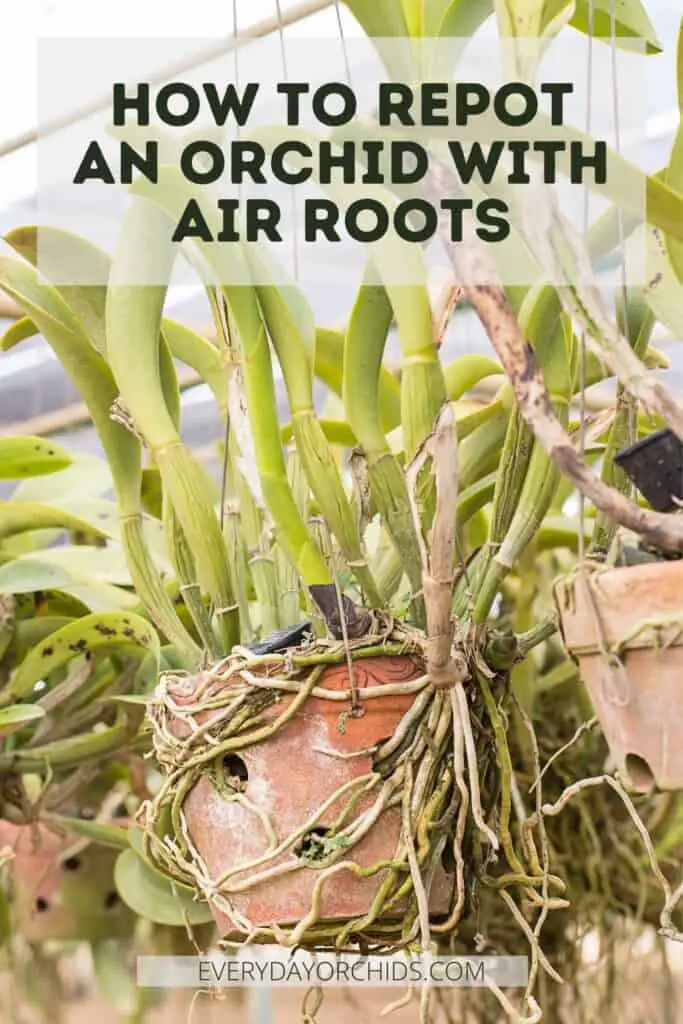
x: 111, y: 900
x: 42, y: 905
x: 639, y: 773
x: 314, y: 845
x: 72, y: 864
x: 235, y: 772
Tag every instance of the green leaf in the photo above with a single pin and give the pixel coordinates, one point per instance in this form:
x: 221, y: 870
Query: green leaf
x: 103, y: 517
x: 102, y: 597
x: 663, y: 291
x: 24, y: 516
x: 115, y: 836
x: 152, y: 492
x: 467, y: 371
x: 336, y: 431
x: 631, y: 21
x: 674, y: 173
x: 66, y: 335
x: 664, y: 207
x: 198, y: 353
x: 380, y: 18
x: 64, y: 257
x: 88, y: 476
x: 329, y: 366
x: 455, y: 18
x: 26, y: 575
x: 72, y: 321
x: 29, y: 574
x: 80, y: 563
x: 17, y: 716
x: 30, y: 456
x: 152, y: 897
x: 17, y: 332
x: 84, y: 636
x: 519, y: 19
x: 28, y: 632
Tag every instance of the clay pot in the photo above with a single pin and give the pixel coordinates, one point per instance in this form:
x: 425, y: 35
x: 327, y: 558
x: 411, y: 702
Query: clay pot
x: 637, y: 693
x: 62, y: 900
x: 289, y: 777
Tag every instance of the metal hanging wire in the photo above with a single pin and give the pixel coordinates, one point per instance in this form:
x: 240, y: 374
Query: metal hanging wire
x: 295, y: 231
x: 342, y: 36
x: 586, y: 225
x: 633, y: 405
x: 224, y: 313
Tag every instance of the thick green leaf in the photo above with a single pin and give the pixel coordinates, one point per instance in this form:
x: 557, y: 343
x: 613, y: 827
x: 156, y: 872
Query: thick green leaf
x: 67, y: 336
x: 381, y: 18
x: 88, y: 476
x: 17, y: 332
x: 115, y: 836
x: 455, y: 18
x: 81, y: 564
x: 519, y: 19
x: 102, y: 597
x: 198, y: 353
x: 24, y: 516
x: 663, y: 290
x: 28, y: 632
x: 103, y: 517
x: 152, y: 492
x: 336, y: 431
x: 152, y: 897
x: 626, y: 20
x: 23, y: 543
x: 466, y: 372
x: 329, y: 363
x: 17, y: 716
x: 22, y: 457
x: 65, y: 257
x: 674, y: 174
x: 29, y: 574
x: 631, y: 21
x: 84, y: 636
x: 72, y: 321
x: 664, y: 207
x: 462, y: 18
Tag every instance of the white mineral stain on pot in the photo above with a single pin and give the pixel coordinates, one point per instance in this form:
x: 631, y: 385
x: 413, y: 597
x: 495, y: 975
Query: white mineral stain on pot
x: 259, y: 791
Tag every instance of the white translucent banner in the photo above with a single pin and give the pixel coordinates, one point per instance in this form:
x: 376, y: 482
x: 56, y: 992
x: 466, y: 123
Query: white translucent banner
x: 300, y: 969
x: 306, y: 157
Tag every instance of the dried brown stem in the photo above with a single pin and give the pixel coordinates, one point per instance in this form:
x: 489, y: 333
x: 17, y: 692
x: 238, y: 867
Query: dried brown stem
x: 490, y: 301
x: 445, y: 665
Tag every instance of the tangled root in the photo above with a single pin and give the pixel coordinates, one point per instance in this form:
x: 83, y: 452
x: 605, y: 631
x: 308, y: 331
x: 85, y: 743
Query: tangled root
x: 524, y: 844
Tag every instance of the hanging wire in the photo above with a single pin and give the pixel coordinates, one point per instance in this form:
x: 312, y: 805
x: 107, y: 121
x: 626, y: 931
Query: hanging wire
x: 633, y: 405
x: 220, y: 299
x: 342, y: 36
x: 586, y: 223
x: 295, y: 233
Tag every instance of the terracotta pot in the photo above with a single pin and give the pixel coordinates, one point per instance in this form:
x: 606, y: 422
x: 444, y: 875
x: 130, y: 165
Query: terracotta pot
x: 55, y: 899
x: 289, y: 777
x: 637, y: 694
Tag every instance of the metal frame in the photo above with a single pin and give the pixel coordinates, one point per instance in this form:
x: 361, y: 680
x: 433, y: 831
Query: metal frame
x: 262, y: 28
